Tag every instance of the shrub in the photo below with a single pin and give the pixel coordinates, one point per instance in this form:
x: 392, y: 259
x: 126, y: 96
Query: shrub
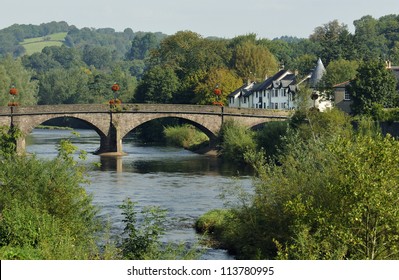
x: 186, y: 136
x: 236, y: 140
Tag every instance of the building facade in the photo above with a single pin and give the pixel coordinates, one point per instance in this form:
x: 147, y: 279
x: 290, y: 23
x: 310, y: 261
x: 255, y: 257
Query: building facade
x: 279, y: 92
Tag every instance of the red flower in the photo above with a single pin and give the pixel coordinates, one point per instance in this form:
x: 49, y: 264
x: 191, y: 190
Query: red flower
x: 13, y: 91
x: 115, y: 87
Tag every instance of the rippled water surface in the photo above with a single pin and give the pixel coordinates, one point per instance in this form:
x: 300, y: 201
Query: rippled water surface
x: 184, y: 183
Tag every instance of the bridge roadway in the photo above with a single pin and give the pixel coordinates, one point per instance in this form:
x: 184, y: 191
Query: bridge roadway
x: 113, y: 124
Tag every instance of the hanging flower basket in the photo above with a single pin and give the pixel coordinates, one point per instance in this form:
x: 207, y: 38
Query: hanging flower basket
x: 13, y: 104
x: 115, y: 87
x: 218, y: 103
x: 217, y: 91
x: 13, y: 91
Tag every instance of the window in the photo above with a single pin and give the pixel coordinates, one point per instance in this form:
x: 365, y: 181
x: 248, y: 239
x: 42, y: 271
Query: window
x: 284, y: 92
x: 275, y: 93
x: 347, y: 95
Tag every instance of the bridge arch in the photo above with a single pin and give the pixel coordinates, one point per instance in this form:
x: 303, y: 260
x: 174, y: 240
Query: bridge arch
x: 113, y: 124
x: 130, y: 127
x: 26, y: 127
x: 210, y: 125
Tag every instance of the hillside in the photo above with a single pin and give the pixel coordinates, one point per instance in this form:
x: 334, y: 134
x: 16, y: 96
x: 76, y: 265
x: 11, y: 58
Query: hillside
x: 37, y: 44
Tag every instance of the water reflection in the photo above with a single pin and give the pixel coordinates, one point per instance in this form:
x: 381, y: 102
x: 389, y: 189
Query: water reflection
x: 185, y: 184
x: 108, y: 163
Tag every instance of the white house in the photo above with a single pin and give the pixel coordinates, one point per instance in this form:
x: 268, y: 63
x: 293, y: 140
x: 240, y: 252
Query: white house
x: 278, y: 91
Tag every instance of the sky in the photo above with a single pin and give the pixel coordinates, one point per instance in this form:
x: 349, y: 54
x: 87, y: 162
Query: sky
x: 220, y: 18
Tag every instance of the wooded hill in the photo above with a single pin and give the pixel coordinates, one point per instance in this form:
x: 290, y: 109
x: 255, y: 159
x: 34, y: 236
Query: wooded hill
x: 179, y: 68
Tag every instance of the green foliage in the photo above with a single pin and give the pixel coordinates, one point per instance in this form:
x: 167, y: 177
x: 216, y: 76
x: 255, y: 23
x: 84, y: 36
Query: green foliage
x: 158, y: 86
x: 142, y: 239
x: 270, y: 138
x: 33, y: 45
x: 335, y: 40
x: 141, y: 242
x: 331, y: 195
x: 253, y: 61
x: 216, y: 224
x: 8, y: 138
x: 338, y: 71
x: 226, y: 80
x: 373, y: 85
x: 13, y: 73
x: 185, y: 136
x: 46, y: 213
x: 235, y: 141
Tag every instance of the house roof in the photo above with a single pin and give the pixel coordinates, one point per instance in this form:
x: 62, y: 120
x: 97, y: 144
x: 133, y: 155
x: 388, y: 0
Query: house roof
x: 282, y: 78
x: 317, y: 73
x: 243, y: 90
x: 341, y: 85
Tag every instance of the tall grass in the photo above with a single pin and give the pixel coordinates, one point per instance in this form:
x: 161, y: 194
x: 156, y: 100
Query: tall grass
x: 186, y: 136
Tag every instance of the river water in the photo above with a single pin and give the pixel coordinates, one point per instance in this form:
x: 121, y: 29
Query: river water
x: 184, y: 183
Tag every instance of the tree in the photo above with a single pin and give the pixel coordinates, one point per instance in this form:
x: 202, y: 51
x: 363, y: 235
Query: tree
x: 45, y: 211
x: 63, y: 86
x: 226, y: 80
x: 253, y: 61
x: 158, y: 85
x: 99, y: 57
x: 12, y: 73
x: 373, y: 86
x: 370, y: 42
x: 142, y: 45
x: 338, y: 71
x: 332, y: 194
x: 304, y: 64
x: 335, y: 41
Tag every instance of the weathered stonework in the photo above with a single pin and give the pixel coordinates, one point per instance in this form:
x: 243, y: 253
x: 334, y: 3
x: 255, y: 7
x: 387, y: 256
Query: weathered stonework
x: 113, y: 124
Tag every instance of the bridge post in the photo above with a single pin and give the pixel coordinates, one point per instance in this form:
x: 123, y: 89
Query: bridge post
x: 111, y: 144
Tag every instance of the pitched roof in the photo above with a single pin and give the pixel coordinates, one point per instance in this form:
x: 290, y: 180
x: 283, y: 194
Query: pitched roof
x: 244, y: 90
x: 281, y: 78
x: 341, y: 85
x: 317, y: 74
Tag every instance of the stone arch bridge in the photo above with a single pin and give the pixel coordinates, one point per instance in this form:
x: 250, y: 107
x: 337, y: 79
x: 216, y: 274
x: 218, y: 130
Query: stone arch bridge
x: 113, y: 124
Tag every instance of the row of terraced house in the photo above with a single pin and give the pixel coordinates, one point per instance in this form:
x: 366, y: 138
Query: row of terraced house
x: 279, y: 91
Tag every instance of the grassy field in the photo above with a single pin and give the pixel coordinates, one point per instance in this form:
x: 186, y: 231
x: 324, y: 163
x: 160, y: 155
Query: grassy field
x: 33, y: 45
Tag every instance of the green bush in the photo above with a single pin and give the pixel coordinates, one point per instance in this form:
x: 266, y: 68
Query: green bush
x: 269, y: 138
x: 236, y: 140
x: 186, y: 136
x: 332, y: 195
x: 45, y: 211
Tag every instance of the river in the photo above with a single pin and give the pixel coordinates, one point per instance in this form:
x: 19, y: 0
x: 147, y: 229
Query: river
x: 184, y: 183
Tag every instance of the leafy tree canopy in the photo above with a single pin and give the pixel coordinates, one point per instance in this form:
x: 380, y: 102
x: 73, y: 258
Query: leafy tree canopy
x: 374, y: 85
